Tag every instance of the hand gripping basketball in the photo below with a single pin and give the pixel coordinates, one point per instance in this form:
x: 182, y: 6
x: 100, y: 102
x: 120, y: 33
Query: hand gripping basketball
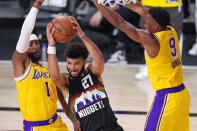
x: 64, y: 31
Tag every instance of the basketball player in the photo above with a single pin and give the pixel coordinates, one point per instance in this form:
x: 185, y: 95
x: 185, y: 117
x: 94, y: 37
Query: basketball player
x: 37, y: 94
x: 164, y: 63
x: 83, y: 87
x: 174, y: 8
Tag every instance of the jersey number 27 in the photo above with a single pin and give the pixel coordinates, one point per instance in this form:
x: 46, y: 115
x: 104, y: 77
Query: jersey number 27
x: 87, y: 81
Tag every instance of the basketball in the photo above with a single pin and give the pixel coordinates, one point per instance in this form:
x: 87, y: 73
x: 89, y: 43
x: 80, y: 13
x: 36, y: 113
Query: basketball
x: 63, y: 29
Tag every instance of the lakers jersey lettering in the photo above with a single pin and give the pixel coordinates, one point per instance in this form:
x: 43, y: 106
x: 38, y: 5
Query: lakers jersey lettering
x: 176, y: 63
x: 38, y: 74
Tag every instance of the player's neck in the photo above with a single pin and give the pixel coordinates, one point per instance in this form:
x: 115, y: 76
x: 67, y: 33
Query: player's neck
x: 36, y: 62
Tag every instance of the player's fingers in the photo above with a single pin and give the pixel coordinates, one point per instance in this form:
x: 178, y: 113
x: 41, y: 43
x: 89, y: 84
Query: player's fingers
x: 47, y: 29
x: 79, y: 129
x: 74, y: 24
x: 53, y: 30
x: 74, y: 28
x: 72, y: 18
x: 50, y: 27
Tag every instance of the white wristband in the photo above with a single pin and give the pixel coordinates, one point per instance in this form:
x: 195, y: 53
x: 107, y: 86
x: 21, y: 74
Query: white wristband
x: 51, y: 50
x: 82, y: 35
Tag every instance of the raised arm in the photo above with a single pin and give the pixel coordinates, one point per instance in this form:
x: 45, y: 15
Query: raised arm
x: 60, y: 79
x: 97, y: 65
x: 19, y: 58
x: 138, y: 8
x: 138, y: 35
x: 116, y: 20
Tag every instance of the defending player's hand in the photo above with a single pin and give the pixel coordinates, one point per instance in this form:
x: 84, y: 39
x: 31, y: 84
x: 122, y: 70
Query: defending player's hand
x: 41, y: 1
x: 50, y: 30
x: 76, y: 26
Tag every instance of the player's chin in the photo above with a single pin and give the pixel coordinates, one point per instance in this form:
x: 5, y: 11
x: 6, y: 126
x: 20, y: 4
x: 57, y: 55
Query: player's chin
x: 37, y: 55
x: 74, y: 74
x: 34, y: 57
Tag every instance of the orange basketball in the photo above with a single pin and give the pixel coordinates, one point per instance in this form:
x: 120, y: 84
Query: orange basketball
x: 63, y: 29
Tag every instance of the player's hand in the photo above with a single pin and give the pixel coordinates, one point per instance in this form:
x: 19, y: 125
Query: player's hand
x: 41, y: 1
x: 96, y: 19
x: 98, y: 1
x: 50, y: 30
x: 76, y: 125
x: 38, y: 3
x: 76, y: 25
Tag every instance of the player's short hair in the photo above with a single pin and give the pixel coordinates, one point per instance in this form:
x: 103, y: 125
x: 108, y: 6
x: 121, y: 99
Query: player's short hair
x: 160, y: 15
x: 76, y: 50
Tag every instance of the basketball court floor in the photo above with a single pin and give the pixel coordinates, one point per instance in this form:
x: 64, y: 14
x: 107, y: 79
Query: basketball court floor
x: 129, y: 97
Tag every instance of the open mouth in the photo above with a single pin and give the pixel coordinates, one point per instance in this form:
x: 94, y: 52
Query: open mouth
x: 74, y: 73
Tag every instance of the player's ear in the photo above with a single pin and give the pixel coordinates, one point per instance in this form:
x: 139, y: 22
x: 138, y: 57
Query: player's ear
x: 157, y: 26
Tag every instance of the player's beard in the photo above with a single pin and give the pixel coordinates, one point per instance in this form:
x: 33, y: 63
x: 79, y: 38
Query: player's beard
x: 80, y: 73
x: 33, y: 57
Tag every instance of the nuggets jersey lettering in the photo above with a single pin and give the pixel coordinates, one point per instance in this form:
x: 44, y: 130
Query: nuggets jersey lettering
x: 165, y: 70
x: 162, y: 3
x: 89, y: 102
x: 37, y: 94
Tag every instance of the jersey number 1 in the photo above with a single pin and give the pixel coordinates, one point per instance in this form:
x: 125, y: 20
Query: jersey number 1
x: 48, y: 91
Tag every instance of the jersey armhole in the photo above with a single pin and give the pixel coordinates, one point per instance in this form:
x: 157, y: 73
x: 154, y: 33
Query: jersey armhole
x: 25, y: 75
x: 157, y: 37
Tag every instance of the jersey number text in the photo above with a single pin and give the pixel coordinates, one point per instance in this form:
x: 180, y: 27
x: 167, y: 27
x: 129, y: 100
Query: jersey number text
x: 87, y: 81
x: 48, y: 91
x: 172, y: 47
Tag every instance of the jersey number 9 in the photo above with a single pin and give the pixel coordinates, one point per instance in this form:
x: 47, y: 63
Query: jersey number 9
x: 172, y: 47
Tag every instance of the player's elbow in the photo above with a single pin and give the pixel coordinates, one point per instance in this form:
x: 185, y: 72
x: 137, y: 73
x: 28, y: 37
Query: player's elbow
x: 101, y: 60
x: 100, y: 64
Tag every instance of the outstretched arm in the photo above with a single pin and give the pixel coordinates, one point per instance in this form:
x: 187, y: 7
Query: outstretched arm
x: 97, y: 65
x: 116, y: 20
x: 19, y: 58
x: 69, y: 114
x: 138, y: 8
x: 60, y: 79
x: 141, y: 36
